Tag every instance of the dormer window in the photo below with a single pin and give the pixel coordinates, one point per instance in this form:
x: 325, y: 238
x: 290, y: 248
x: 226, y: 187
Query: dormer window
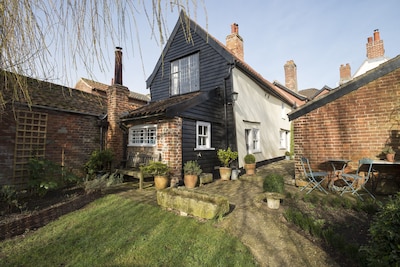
x: 185, y: 76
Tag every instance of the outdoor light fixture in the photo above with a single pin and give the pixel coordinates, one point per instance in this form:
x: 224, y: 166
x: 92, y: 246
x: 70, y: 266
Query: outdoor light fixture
x: 234, y: 96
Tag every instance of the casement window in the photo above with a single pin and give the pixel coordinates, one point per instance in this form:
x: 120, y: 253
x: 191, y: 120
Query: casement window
x: 143, y: 135
x: 284, y: 139
x: 252, y: 136
x: 185, y: 77
x: 203, y: 135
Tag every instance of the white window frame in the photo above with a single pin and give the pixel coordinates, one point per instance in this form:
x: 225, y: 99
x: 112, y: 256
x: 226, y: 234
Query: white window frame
x: 185, y: 75
x: 143, y: 135
x: 253, y: 143
x: 284, y: 139
x: 203, y: 136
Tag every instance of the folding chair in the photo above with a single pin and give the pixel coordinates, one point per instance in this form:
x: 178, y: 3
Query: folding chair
x: 314, y: 178
x: 357, y: 181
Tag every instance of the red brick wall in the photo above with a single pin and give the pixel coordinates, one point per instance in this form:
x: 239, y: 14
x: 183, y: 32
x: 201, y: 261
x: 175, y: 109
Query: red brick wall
x: 354, y: 126
x: 117, y: 97
x: 73, y: 135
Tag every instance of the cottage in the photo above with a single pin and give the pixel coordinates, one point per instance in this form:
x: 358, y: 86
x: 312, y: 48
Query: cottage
x: 205, y: 97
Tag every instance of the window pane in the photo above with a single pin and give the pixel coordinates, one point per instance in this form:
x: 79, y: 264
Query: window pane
x: 185, y: 75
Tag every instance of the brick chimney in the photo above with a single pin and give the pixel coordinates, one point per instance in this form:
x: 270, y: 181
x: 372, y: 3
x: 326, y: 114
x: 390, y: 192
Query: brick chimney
x: 345, y: 73
x: 291, y: 75
x: 234, y: 42
x: 117, y: 103
x: 118, y: 66
x: 375, y: 47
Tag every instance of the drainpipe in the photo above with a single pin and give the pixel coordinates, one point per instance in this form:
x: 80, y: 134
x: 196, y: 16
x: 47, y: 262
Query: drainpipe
x: 102, y: 123
x: 231, y: 66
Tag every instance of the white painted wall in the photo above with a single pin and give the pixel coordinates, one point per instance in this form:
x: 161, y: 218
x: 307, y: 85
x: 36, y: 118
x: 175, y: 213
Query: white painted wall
x: 256, y: 107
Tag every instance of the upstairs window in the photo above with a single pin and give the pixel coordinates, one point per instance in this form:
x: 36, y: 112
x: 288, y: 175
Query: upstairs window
x: 185, y: 75
x: 143, y: 135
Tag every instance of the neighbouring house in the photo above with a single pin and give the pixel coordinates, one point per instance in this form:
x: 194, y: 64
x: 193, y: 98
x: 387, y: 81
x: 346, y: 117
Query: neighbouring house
x: 62, y: 124
x: 355, y: 120
x: 204, y: 97
x: 375, y: 52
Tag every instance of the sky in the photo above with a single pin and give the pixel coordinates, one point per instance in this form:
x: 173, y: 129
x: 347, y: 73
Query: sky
x: 318, y: 35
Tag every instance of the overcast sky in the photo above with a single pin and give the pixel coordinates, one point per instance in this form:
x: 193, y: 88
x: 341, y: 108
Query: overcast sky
x: 318, y: 35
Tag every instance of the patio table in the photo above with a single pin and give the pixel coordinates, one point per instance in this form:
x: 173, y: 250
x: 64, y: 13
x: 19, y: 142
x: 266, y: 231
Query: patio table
x: 338, y: 166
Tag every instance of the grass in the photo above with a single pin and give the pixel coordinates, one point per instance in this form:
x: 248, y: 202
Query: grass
x: 115, y: 231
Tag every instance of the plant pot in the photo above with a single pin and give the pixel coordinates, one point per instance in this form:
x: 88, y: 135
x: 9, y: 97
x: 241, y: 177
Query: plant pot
x: 250, y: 168
x: 190, y: 180
x: 390, y: 157
x: 225, y: 173
x: 161, y: 182
x: 273, y: 200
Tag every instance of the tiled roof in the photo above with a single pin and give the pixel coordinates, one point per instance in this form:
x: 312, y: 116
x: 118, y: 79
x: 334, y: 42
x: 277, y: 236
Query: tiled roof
x: 309, y: 93
x: 104, y: 87
x: 48, y: 95
x: 161, y: 107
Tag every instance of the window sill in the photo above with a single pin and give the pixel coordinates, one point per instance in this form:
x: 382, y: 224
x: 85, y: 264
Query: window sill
x: 203, y: 149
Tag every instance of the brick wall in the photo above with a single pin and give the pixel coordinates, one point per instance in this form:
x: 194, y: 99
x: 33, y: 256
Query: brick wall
x: 70, y: 139
x: 117, y: 97
x: 169, y: 144
x: 354, y: 126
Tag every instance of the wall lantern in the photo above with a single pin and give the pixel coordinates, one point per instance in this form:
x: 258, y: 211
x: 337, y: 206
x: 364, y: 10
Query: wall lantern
x: 234, y: 96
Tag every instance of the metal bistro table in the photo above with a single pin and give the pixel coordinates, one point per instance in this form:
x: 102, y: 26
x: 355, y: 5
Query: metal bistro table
x: 338, y: 166
x: 381, y: 163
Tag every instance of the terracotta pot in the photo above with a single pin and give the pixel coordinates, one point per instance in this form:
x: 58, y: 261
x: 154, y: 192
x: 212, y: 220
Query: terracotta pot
x: 160, y: 182
x: 190, y: 180
x: 225, y: 173
x: 390, y: 157
x: 250, y: 168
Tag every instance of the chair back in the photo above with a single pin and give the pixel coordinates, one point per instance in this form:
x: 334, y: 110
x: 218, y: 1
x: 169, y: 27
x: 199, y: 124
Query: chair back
x: 368, y: 162
x: 305, y: 164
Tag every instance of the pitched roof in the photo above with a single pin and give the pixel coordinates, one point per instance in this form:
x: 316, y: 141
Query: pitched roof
x: 52, y: 96
x: 103, y: 87
x: 347, y: 88
x: 169, y: 107
x: 225, y: 53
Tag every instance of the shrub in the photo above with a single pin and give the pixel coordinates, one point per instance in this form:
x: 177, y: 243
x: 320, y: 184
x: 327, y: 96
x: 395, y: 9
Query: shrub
x: 45, y: 175
x: 384, y: 246
x: 249, y: 159
x: 274, y: 183
x: 155, y: 168
x: 9, y: 196
x: 226, y: 156
x: 100, y: 160
x: 192, y: 167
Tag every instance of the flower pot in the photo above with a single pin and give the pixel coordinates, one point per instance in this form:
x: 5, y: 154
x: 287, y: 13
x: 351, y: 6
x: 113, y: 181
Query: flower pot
x: 273, y: 200
x: 190, y: 180
x: 160, y: 182
x: 250, y: 168
x: 225, y: 173
x: 390, y: 157
x: 235, y: 174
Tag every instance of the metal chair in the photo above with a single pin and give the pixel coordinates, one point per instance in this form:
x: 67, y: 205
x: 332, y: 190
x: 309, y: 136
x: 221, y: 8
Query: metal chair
x: 357, y: 181
x: 314, y: 178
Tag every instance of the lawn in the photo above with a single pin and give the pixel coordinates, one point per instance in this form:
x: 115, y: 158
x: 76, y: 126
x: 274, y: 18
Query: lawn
x: 115, y: 231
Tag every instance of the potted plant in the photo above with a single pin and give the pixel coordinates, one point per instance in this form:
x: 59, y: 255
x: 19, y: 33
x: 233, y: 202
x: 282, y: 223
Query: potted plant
x: 191, y: 170
x: 287, y: 155
x: 389, y: 152
x: 99, y: 162
x: 250, y: 164
x: 274, y: 188
x: 160, y: 172
x: 226, y: 156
